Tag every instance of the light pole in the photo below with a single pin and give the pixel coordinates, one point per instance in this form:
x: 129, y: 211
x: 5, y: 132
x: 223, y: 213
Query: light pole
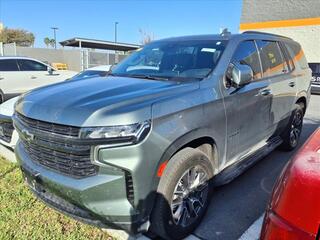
x: 115, y: 31
x: 55, y: 36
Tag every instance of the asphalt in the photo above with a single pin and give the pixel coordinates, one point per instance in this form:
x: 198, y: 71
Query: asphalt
x: 235, y: 206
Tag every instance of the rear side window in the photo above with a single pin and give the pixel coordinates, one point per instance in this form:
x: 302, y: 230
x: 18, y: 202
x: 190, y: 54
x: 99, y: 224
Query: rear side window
x: 296, y: 54
x: 247, y: 53
x: 8, y: 65
x: 273, y: 60
x: 29, y: 65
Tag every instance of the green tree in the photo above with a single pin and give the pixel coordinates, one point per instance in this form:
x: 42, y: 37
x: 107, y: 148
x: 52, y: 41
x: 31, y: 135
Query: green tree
x: 20, y: 36
x: 52, y: 42
x: 46, y: 41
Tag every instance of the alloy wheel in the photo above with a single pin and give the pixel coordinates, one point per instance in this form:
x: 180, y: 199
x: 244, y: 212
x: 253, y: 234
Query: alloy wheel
x: 296, y: 126
x: 189, y: 196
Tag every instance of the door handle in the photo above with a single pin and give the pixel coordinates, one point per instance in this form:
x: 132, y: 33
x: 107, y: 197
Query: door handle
x: 33, y: 77
x: 291, y: 84
x: 265, y: 92
x: 1, y: 78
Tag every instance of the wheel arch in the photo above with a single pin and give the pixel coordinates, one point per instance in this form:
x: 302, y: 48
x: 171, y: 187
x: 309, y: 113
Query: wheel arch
x: 303, y: 99
x: 193, y: 139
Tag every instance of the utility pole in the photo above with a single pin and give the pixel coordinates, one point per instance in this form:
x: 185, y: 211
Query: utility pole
x: 115, y: 31
x: 55, y: 36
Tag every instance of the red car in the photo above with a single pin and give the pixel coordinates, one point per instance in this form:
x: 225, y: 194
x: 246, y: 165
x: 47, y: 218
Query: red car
x: 294, y: 210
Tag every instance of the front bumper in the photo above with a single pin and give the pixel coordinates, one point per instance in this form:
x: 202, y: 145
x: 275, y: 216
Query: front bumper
x: 101, y: 200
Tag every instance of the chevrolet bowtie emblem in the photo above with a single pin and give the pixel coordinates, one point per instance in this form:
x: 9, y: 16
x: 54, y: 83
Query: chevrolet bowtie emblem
x: 27, y: 135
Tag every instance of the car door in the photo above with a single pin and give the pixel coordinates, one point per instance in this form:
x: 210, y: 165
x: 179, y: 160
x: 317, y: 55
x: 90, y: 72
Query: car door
x: 34, y: 72
x: 10, y: 77
x: 247, y: 107
x: 38, y: 75
x: 283, y: 83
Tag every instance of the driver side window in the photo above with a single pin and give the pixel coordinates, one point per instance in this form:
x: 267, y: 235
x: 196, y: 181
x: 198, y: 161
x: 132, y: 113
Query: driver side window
x: 247, y: 54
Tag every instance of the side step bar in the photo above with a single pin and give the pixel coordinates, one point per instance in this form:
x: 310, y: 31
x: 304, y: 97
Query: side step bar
x: 234, y: 170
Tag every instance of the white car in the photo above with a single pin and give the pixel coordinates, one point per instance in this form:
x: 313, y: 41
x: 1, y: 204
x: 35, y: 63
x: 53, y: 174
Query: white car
x: 21, y: 74
x: 8, y: 135
x: 98, y: 71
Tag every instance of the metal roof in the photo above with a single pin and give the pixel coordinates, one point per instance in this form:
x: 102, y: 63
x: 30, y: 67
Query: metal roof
x: 99, y: 44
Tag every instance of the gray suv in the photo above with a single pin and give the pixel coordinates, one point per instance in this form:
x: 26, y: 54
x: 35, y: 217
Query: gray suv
x: 142, y: 148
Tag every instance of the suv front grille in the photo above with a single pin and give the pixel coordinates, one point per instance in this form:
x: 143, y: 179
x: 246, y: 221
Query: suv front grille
x: 47, y: 145
x: 6, y: 131
x: 49, y: 127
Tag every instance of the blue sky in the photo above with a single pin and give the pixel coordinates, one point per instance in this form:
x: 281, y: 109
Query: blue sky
x: 95, y: 18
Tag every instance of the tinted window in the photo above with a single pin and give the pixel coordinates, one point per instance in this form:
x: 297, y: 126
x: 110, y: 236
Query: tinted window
x: 273, y: 61
x: 246, y: 53
x: 287, y: 55
x: 315, y: 67
x: 297, y: 54
x: 174, y: 60
x: 8, y: 65
x: 29, y: 65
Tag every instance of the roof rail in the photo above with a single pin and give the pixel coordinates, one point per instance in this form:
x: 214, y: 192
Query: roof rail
x: 264, y: 33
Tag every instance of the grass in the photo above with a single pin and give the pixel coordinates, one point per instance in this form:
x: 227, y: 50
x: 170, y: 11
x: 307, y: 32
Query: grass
x: 22, y: 216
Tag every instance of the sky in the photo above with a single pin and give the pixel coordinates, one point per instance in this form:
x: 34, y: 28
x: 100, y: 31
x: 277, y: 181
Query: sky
x: 95, y: 18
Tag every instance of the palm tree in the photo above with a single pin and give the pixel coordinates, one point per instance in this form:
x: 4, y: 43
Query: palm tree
x: 46, y: 41
x: 52, y: 42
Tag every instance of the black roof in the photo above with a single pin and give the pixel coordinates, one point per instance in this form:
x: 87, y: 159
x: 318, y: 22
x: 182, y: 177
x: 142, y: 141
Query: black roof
x: 99, y: 44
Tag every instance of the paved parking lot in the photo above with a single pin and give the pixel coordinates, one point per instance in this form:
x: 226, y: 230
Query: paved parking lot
x: 237, y: 205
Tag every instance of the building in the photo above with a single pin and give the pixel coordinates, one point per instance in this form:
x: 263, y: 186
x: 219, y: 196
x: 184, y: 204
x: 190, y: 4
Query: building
x: 297, y: 19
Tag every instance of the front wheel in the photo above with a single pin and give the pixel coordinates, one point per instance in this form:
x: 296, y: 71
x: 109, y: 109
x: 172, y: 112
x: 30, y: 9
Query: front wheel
x: 183, y: 194
x: 292, y: 133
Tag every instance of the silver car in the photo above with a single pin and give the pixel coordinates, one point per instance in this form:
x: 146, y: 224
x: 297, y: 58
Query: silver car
x: 142, y: 149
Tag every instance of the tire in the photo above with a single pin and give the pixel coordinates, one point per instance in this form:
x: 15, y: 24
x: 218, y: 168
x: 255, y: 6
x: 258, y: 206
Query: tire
x: 291, y: 134
x: 176, y: 196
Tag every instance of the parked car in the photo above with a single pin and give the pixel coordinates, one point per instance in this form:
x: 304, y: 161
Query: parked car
x: 21, y: 74
x: 315, y: 82
x: 98, y: 71
x: 294, y: 210
x: 141, y: 150
x: 8, y: 136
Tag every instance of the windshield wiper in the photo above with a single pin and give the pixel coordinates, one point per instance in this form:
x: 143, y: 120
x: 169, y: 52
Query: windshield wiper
x: 148, y: 77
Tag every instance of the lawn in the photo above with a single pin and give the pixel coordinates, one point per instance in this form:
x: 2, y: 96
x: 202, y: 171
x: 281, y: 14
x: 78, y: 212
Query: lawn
x: 22, y: 216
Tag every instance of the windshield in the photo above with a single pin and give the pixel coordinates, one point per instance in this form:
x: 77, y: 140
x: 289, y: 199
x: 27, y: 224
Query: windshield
x: 173, y: 60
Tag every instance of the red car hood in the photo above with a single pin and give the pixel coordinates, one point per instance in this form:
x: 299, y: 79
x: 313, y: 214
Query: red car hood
x: 296, y: 197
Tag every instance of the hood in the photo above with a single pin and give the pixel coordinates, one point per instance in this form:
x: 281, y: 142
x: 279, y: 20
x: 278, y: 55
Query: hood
x: 99, y: 101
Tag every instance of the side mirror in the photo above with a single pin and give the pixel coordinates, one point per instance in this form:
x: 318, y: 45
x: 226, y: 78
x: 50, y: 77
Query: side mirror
x: 239, y: 74
x: 50, y: 70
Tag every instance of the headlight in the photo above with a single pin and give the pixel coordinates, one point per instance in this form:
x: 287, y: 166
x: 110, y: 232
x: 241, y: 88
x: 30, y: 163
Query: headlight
x: 122, y: 134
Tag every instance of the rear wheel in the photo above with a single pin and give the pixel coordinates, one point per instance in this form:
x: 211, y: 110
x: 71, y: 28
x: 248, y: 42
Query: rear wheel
x: 183, y: 194
x: 292, y: 134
